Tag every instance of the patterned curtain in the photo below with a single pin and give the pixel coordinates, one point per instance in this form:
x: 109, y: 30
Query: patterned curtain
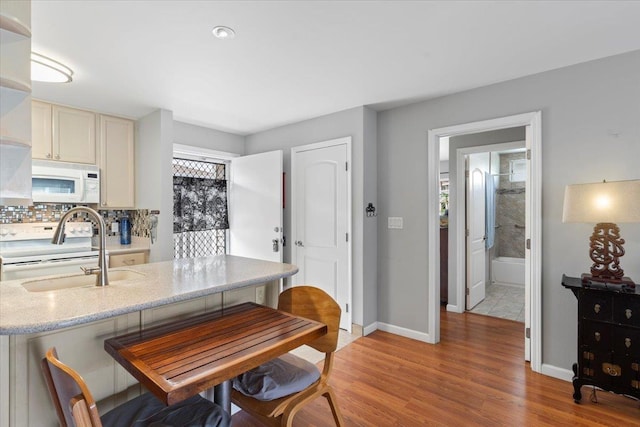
x: 199, y: 204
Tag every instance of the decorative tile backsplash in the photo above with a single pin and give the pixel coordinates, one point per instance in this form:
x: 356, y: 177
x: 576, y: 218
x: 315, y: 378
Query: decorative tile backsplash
x: 36, y: 213
x: 45, y: 212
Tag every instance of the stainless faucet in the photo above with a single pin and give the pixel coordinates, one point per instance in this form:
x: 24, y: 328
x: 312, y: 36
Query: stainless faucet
x: 58, y: 239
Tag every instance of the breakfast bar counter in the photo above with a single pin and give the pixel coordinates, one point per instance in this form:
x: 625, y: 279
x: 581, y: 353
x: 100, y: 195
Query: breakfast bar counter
x: 76, y: 317
x: 146, y: 286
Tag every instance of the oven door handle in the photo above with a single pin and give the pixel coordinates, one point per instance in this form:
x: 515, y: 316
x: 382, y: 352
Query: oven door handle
x: 47, y: 264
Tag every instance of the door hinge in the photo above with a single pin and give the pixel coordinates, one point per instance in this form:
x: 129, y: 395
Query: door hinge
x: 466, y: 174
x: 467, y: 291
x: 527, y: 333
x: 346, y: 166
x: 528, y: 243
x: 346, y: 236
x: 466, y: 232
x: 529, y: 154
x: 347, y: 310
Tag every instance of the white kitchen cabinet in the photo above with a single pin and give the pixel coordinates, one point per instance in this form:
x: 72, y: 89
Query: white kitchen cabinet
x: 62, y: 133
x: 15, y: 103
x: 5, y: 390
x: 81, y: 347
x: 116, y: 161
x: 128, y: 259
x: 179, y: 310
x: 74, y: 135
x: 41, y: 130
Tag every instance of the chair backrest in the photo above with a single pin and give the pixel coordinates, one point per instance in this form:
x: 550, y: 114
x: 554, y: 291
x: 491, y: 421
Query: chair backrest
x: 315, y: 304
x: 69, y: 393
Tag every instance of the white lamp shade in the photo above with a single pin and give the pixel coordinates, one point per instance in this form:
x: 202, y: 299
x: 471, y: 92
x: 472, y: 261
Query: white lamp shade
x: 616, y: 202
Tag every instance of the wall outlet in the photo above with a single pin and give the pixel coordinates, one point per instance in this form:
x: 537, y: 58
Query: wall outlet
x: 395, y: 222
x: 260, y: 295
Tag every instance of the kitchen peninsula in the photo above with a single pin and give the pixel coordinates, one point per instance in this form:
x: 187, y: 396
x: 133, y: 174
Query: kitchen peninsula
x: 77, y: 320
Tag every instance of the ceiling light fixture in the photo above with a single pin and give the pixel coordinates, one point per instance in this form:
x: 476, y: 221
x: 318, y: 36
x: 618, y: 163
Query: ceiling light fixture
x: 44, y: 69
x: 223, y: 32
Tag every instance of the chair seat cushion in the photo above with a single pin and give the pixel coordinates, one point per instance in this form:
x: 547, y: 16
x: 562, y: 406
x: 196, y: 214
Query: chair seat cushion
x: 147, y: 410
x: 277, y: 378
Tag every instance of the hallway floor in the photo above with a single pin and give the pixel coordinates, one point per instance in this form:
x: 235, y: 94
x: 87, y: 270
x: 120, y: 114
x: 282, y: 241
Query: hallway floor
x: 505, y: 302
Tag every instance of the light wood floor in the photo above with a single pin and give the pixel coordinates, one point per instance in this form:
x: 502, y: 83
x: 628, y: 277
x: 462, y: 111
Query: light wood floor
x: 474, y: 377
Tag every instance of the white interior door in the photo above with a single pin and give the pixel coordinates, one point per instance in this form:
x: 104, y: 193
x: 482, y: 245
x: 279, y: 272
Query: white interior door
x: 255, y: 206
x: 476, y: 233
x: 321, y: 220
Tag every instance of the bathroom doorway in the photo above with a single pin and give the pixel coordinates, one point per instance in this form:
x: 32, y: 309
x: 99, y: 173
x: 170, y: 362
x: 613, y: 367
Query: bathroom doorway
x: 497, y: 264
x: 531, y: 122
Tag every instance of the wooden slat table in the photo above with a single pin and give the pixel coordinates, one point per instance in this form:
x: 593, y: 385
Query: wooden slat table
x: 178, y: 360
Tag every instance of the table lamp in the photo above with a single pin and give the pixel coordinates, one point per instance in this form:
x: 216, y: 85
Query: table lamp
x: 606, y: 204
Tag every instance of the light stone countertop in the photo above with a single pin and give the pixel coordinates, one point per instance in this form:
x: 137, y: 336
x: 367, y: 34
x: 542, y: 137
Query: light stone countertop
x: 24, y: 312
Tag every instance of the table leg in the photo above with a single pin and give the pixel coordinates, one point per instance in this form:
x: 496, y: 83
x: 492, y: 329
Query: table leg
x: 222, y: 395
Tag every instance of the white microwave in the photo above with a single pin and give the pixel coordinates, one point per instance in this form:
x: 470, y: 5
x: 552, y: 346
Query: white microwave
x: 62, y: 182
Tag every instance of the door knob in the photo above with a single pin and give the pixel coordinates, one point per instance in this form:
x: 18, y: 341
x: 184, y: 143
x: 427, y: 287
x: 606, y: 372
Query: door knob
x: 276, y: 245
x: 298, y: 243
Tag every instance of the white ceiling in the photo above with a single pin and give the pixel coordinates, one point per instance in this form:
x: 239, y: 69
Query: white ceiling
x: 295, y: 60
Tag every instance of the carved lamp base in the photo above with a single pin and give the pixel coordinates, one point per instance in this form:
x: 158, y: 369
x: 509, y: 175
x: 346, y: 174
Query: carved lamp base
x: 605, y: 250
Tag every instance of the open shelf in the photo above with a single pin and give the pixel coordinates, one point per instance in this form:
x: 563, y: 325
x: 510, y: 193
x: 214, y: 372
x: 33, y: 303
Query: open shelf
x: 15, y: 84
x: 13, y: 24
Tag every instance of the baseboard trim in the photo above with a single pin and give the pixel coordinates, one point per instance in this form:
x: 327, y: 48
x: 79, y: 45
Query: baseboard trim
x: 370, y: 328
x: 356, y: 330
x: 408, y: 333
x: 454, y: 308
x: 549, y: 370
x: 555, y: 372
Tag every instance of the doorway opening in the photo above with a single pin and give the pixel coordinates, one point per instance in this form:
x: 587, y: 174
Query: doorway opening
x: 531, y: 122
x: 497, y: 179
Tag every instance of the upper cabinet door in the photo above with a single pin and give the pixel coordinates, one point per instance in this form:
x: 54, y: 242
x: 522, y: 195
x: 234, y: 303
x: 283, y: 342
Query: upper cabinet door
x: 74, y: 135
x: 116, y: 143
x: 41, y: 130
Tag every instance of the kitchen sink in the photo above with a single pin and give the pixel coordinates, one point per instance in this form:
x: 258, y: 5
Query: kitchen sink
x: 78, y: 281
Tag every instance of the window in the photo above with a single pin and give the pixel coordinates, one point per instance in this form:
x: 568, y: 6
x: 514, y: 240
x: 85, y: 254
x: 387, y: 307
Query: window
x: 200, y: 212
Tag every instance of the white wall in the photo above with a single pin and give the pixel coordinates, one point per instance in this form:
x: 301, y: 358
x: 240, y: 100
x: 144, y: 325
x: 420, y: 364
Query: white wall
x: 156, y: 134
x: 583, y: 107
x: 198, y: 136
x: 154, y: 187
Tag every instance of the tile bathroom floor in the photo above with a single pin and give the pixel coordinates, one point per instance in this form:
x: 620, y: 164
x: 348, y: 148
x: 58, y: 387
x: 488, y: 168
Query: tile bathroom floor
x: 506, y: 302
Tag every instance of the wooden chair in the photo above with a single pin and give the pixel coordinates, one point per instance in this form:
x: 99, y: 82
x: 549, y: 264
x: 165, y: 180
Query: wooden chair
x: 311, y: 303
x: 75, y: 405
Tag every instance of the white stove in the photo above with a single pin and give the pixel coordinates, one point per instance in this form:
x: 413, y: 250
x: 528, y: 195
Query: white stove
x: 26, y: 249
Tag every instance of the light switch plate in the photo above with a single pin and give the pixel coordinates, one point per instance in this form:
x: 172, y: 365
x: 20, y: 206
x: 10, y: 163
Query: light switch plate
x: 114, y: 226
x: 395, y: 222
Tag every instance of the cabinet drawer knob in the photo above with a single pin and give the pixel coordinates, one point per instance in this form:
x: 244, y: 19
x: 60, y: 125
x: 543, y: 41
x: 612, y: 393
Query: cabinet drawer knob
x: 627, y: 342
x: 596, y: 308
x: 628, y: 313
x: 597, y: 336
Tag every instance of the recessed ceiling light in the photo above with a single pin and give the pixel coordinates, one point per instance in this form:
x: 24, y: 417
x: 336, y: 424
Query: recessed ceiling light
x: 44, y: 69
x: 222, y: 32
